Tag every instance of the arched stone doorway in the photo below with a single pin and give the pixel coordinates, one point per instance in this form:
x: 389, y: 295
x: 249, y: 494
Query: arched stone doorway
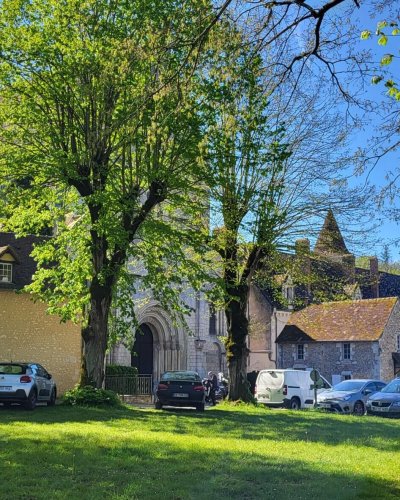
x: 162, y: 341
x: 169, y: 342
x: 142, y: 356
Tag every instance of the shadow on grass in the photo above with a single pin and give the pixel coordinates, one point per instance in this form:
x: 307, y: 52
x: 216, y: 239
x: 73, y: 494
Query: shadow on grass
x: 251, y: 424
x: 151, y: 468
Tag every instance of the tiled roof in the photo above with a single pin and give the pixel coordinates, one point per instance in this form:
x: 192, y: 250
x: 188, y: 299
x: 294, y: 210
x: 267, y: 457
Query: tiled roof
x: 354, y: 320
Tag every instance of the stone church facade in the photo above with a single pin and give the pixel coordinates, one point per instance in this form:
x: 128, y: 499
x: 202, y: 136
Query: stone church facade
x: 162, y: 345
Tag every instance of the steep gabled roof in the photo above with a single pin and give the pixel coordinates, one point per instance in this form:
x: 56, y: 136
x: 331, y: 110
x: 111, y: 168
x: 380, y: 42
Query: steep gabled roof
x: 24, y: 266
x: 8, y: 249
x: 330, y: 239
x: 356, y: 320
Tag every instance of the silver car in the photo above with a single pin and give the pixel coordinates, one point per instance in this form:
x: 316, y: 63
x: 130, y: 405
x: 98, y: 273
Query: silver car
x: 387, y: 401
x: 349, y: 396
x: 27, y: 384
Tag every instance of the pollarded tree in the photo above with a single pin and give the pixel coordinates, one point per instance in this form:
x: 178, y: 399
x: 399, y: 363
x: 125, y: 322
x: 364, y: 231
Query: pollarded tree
x: 245, y: 159
x: 98, y: 128
x: 267, y: 184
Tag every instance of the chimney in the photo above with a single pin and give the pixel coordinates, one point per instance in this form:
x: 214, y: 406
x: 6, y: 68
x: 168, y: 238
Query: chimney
x: 302, y: 246
x: 374, y: 277
x: 349, y: 265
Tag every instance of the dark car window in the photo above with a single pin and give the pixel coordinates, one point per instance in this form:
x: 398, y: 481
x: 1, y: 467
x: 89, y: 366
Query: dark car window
x: 189, y: 376
x: 393, y: 386
x: 12, y: 369
x: 349, y: 385
x: 41, y: 371
x: 380, y: 385
x: 371, y: 387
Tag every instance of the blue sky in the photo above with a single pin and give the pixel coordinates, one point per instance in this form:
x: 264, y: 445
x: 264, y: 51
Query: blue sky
x: 387, y: 231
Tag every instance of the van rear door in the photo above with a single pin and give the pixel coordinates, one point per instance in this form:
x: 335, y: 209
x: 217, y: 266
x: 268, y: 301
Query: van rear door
x: 270, y: 387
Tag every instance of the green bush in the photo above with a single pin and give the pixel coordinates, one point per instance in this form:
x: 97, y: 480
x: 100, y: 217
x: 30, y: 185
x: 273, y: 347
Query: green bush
x: 90, y: 396
x: 121, y: 370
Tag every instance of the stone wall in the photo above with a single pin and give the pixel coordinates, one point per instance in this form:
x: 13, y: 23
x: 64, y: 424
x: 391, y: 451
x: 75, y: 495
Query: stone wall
x: 388, y: 344
x: 27, y: 333
x: 259, y: 340
x: 327, y: 357
x: 265, y: 324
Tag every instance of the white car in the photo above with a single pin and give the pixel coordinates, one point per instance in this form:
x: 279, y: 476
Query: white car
x: 27, y: 384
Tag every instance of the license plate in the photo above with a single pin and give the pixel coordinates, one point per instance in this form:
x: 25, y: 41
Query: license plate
x: 180, y: 395
x: 324, y: 405
x: 5, y: 388
x: 378, y: 408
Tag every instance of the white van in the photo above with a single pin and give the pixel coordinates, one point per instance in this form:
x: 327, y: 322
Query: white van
x: 290, y: 388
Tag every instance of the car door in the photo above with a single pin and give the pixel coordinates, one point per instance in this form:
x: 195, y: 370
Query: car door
x: 42, y: 381
x: 368, y: 390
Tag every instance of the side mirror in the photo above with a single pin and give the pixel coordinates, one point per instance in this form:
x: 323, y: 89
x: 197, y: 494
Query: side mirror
x: 367, y: 391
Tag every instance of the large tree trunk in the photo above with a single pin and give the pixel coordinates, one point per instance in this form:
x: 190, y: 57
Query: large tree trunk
x: 236, y: 347
x: 95, y: 336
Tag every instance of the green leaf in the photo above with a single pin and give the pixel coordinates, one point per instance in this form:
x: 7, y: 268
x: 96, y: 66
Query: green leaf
x: 382, y: 40
x: 376, y: 79
x: 396, y: 32
x: 381, y: 24
x: 386, y: 59
x: 365, y: 35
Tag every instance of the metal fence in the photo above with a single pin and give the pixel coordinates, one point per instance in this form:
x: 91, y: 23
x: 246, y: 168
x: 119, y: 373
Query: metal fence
x: 130, y: 385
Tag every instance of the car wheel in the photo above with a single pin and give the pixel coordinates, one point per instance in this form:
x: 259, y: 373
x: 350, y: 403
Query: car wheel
x: 295, y: 404
x: 200, y: 407
x: 358, y: 408
x: 158, y: 405
x: 30, y: 403
x: 53, y: 397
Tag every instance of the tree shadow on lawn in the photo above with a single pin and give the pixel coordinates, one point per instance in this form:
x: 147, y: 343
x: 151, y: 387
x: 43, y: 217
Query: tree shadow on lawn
x: 146, y: 469
x: 378, y: 433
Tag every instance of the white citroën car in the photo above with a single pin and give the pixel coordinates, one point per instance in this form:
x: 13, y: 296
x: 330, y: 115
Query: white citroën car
x: 26, y: 384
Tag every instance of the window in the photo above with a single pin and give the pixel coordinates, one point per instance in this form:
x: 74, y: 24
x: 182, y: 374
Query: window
x: 300, y: 351
x: 398, y: 343
x: 288, y: 291
x: 346, y: 351
x: 212, y: 327
x: 5, y: 272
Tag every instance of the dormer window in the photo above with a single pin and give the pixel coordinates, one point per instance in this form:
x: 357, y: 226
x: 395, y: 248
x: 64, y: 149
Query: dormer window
x: 5, y: 272
x: 288, y: 291
x: 8, y: 258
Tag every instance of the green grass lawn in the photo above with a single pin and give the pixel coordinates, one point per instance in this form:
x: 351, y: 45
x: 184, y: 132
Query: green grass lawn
x: 225, y: 452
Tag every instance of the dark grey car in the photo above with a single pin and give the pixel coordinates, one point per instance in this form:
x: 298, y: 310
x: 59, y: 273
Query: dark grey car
x: 387, y: 401
x: 180, y: 388
x: 349, y: 396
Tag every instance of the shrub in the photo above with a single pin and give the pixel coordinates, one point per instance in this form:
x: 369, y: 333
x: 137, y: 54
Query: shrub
x: 121, y: 370
x: 90, y: 396
x: 121, y: 379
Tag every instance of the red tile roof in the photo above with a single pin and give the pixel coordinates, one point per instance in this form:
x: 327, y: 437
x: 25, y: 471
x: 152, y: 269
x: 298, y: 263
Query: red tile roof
x: 344, y: 321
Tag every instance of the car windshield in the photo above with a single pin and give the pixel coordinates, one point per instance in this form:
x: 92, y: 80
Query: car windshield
x: 12, y: 369
x: 349, y: 385
x: 393, y: 386
x: 190, y: 376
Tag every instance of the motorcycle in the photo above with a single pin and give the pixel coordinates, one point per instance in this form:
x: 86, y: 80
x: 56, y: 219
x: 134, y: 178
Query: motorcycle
x: 207, y: 390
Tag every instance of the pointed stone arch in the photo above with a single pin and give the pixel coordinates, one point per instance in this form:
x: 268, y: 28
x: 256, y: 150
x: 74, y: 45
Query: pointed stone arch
x: 169, y: 341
